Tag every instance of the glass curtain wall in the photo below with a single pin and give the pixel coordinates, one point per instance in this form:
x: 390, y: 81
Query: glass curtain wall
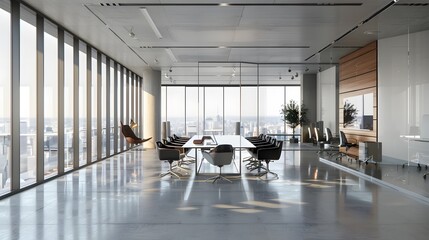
x: 103, y: 105
x: 260, y: 112
x: 28, y: 96
x: 119, y: 105
x: 51, y: 99
x: 94, y: 108
x: 176, y: 109
x: 82, y: 103
x: 68, y: 101
x: 231, y: 109
x: 57, y: 81
x: 271, y: 100
x: 112, y: 106
x: 249, y: 111
x: 213, y: 110
x: 5, y: 49
x: 191, y: 111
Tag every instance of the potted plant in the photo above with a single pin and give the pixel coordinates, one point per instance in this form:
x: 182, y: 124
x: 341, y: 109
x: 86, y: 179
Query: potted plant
x: 350, y: 114
x: 294, y: 115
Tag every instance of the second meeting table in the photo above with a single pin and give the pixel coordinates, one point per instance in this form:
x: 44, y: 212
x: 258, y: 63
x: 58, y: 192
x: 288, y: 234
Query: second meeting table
x: 237, y: 142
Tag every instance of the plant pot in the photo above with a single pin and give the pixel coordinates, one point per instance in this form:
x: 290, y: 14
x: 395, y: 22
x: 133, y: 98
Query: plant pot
x: 293, y: 140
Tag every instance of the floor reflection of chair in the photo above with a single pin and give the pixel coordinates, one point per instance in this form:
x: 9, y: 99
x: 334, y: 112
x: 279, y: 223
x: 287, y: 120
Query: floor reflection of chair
x: 219, y: 156
x: 170, y: 155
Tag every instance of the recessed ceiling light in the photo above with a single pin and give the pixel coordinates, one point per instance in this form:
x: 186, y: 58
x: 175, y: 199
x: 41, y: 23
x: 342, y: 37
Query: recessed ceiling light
x: 371, y: 32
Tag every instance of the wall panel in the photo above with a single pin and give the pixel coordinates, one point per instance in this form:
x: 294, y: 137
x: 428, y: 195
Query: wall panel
x: 358, y: 75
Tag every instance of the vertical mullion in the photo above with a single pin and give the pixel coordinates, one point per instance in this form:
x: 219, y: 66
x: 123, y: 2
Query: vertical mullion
x: 88, y: 104
x: 99, y: 126
x: 186, y: 125
x: 127, y: 96
x: 141, y: 120
x: 15, y: 95
x: 107, y: 107
x: 127, y: 100
x: 132, y: 85
x: 75, y: 143
x: 115, y: 108
x: 121, y: 117
x: 60, y: 153
x: 40, y: 163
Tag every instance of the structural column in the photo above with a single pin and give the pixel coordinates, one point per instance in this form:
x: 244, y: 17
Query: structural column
x: 152, y: 106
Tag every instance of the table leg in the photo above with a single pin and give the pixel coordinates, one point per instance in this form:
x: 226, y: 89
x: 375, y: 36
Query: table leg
x: 196, y: 162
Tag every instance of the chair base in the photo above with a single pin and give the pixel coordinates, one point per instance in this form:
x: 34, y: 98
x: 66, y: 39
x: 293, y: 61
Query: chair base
x: 266, y: 173
x: 217, y: 177
x: 171, y: 173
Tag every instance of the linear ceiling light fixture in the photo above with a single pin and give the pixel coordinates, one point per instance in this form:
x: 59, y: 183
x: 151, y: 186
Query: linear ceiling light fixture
x: 171, y: 55
x: 151, y: 22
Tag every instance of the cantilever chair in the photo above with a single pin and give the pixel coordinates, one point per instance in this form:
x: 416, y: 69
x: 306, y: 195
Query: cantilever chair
x: 219, y: 156
x: 170, y: 155
x: 130, y: 136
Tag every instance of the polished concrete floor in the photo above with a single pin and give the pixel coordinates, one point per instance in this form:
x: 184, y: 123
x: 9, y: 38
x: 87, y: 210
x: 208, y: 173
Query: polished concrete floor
x: 124, y: 198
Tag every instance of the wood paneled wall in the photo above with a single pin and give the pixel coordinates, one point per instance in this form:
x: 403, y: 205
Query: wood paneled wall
x: 358, y: 75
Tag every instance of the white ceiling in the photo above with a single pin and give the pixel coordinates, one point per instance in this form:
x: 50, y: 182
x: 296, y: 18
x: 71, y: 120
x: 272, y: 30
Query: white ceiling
x: 285, y: 36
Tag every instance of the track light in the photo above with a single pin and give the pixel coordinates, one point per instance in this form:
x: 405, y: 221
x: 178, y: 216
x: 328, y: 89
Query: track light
x: 306, y: 69
x: 156, y: 61
x: 170, y: 70
x: 292, y: 78
x: 132, y: 34
x: 296, y: 74
x: 280, y: 77
x: 166, y: 75
x: 290, y: 70
x: 320, y: 69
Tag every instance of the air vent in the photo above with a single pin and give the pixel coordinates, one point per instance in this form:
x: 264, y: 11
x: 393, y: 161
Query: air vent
x: 412, y: 4
x: 239, y: 4
x: 109, y: 4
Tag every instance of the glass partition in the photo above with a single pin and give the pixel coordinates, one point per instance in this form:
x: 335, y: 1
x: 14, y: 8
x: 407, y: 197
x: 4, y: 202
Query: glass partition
x: 5, y: 88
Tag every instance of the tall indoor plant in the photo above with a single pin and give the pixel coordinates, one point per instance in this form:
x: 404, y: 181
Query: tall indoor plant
x: 294, y: 115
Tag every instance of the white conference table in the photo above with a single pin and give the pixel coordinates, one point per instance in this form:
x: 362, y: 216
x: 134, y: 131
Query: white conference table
x: 236, y: 141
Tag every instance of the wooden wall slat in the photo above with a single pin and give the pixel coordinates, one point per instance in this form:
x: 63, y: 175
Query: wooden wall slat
x: 360, y: 65
x: 359, y: 52
x: 366, y: 80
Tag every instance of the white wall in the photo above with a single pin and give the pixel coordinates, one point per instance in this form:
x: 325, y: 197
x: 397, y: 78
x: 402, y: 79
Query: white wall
x: 403, y: 93
x: 327, y: 108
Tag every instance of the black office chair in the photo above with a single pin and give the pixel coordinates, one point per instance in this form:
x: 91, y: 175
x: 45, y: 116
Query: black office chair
x: 219, y: 156
x: 332, y: 143
x: 320, y: 141
x: 311, y: 137
x: 268, y: 154
x: 346, y: 144
x: 170, y: 155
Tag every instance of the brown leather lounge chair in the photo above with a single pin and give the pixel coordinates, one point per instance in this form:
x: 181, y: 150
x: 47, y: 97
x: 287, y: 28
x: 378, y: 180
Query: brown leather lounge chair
x: 130, y: 136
